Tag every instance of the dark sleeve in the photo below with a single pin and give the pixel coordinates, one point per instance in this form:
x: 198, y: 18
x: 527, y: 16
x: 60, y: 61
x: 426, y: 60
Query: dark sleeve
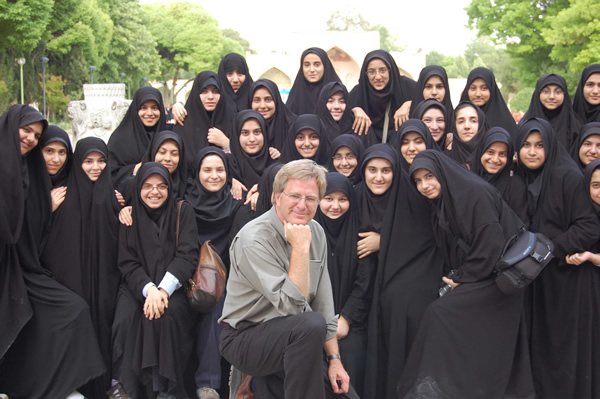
x: 183, y: 265
x: 516, y: 198
x: 358, y: 303
x: 486, y: 245
x: 583, y: 230
x: 130, y: 266
x: 126, y: 188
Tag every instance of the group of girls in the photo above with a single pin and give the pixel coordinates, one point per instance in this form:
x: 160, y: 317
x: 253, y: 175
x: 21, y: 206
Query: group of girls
x: 416, y: 189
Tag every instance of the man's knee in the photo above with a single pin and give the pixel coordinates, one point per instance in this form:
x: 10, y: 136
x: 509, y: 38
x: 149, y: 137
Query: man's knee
x: 310, y: 326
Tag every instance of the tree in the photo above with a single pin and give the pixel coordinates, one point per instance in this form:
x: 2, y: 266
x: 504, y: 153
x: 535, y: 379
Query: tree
x: 55, y: 96
x: 574, y: 34
x: 235, y: 36
x: 348, y: 20
x: 23, y: 23
x: 197, y: 44
x: 132, y: 50
x: 520, y: 25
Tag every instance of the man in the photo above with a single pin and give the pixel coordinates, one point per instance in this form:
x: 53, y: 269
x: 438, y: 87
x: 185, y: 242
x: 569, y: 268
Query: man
x: 278, y: 314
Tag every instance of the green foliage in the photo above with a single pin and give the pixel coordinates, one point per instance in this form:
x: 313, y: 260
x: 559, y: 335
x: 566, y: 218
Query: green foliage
x: 348, y: 19
x: 235, y: 36
x: 23, y: 23
x: 521, y: 26
x: 520, y: 101
x: 574, y: 34
x: 56, y: 100
x: 4, y: 99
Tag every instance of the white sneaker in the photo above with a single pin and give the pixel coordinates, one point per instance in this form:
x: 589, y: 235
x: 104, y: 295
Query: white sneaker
x: 207, y: 393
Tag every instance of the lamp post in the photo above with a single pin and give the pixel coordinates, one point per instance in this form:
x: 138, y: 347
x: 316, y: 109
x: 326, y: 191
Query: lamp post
x: 122, y: 75
x: 21, y: 62
x: 92, y: 69
x: 44, y: 62
x: 145, y: 80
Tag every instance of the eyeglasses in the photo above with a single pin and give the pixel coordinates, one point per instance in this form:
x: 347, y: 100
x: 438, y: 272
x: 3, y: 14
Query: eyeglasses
x: 159, y: 187
x: 297, y: 198
x: 349, y: 157
x: 380, y: 71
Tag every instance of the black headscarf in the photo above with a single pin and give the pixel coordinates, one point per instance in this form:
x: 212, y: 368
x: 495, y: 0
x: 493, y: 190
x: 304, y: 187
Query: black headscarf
x: 55, y: 134
x: 244, y: 167
x: 179, y: 176
x: 467, y: 206
x: 214, y: 211
x: 426, y: 73
x: 129, y: 141
x: 355, y: 144
x: 312, y: 122
x: 371, y: 207
x: 587, y: 175
x: 17, y: 208
x: 398, y: 90
x: 565, y: 123
x: 303, y: 93
x: 589, y: 129
x: 265, y: 188
x: 586, y: 111
x: 228, y: 63
x: 344, y: 125
x: 81, y: 250
x: 282, y: 119
x: 413, y: 126
x: 461, y: 151
x: 419, y: 110
x: 556, y: 194
x: 511, y: 187
x: 195, y: 130
x: 342, y: 235
x: 496, y: 110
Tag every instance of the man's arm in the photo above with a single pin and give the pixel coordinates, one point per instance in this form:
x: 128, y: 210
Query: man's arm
x: 337, y: 373
x: 299, y: 237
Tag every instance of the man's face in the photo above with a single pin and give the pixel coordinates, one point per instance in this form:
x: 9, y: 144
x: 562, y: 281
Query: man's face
x: 296, y: 210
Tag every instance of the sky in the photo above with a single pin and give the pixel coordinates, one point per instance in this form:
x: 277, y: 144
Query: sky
x: 430, y: 25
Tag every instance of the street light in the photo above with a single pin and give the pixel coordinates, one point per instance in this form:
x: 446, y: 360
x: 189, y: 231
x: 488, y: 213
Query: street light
x: 21, y: 62
x: 145, y: 80
x: 44, y: 62
x: 92, y: 69
x: 122, y: 74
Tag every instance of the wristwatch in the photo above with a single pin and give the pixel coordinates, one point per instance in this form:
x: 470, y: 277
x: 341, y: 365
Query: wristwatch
x: 334, y: 356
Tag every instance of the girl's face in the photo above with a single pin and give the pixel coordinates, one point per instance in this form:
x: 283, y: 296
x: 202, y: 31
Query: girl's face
x: 313, y: 68
x: 435, y: 121
x: 379, y: 175
x: 378, y: 74
x: 210, y: 97
x: 590, y: 149
x: 29, y: 135
x: 479, y: 92
x: 149, y: 113
x: 336, y: 105
x: 251, y: 137
x: 595, y: 186
x: 168, y: 155
x: 467, y: 123
x: 412, y: 144
x: 307, y: 143
x: 93, y: 165
x: 427, y: 184
x: 155, y: 191
x: 532, y: 153
x: 55, y: 156
x: 591, y: 90
x: 434, y: 88
x: 552, y: 97
x: 236, y: 79
x: 335, y: 204
x: 495, y: 157
x: 263, y: 103
x: 344, y: 161
x: 212, y: 175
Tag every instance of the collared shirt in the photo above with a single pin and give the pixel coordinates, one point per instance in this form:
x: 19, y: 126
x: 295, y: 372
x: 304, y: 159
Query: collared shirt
x: 259, y: 288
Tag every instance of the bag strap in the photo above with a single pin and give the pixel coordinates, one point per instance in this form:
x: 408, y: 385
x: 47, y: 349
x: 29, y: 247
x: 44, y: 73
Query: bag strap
x: 386, y: 122
x: 179, y: 203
